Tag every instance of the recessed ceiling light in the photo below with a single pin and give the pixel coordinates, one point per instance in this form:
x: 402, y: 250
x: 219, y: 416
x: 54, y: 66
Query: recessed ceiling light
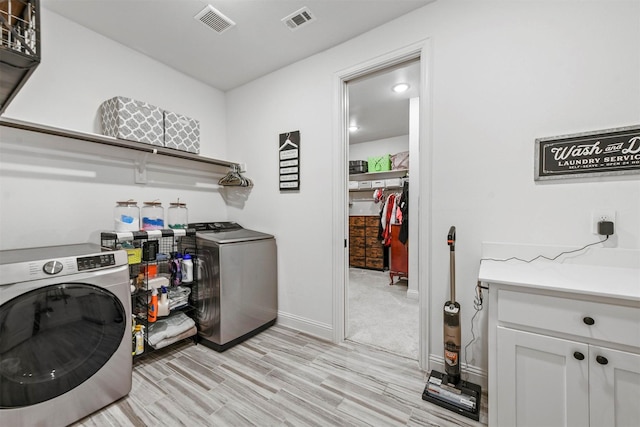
x: 353, y: 128
x: 401, y: 87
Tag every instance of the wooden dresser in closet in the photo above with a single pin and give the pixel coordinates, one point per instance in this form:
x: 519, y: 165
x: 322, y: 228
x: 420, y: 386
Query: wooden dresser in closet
x: 398, y: 255
x: 365, y: 250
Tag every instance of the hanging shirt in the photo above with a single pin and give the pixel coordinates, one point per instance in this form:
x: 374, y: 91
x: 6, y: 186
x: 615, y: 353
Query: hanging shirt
x: 403, y: 236
x: 388, y: 219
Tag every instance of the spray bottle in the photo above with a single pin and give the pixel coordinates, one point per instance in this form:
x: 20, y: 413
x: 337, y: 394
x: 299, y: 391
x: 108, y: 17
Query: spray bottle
x: 152, y: 312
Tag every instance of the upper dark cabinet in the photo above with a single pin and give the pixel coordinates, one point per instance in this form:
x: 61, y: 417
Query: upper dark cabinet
x: 19, y: 46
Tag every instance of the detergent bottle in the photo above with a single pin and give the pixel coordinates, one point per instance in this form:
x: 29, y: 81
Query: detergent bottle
x: 163, y: 304
x: 152, y: 312
x: 187, y: 268
x: 139, y: 339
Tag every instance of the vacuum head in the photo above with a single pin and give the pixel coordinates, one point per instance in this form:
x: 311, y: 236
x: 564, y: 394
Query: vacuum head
x: 463, y: 397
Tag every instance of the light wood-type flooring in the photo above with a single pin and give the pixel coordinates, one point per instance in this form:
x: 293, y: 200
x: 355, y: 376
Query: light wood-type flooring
x: 280, y: 377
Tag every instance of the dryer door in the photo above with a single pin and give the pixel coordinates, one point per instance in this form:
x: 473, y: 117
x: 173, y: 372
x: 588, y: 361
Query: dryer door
x: 54, y: 338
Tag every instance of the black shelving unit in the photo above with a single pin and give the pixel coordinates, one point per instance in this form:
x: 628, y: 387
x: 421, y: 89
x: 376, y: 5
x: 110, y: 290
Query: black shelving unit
x: 152, y: 250
x: 19, y: 46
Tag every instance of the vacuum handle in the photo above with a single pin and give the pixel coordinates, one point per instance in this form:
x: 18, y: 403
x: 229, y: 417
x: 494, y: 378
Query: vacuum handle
x: 451, y: 238
x: 451, y: 241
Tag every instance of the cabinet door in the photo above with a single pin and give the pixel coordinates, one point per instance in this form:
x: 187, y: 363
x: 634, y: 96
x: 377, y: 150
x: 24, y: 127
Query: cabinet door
x: 541, y: 380
x: 614, y: 386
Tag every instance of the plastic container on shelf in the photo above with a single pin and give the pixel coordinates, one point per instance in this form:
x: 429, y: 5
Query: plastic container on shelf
x: 126, y: 216
x: 152, y: 216
x: 187, y: 268
x: 139, y: 339
x: 149, y: 270
x: 178, y: 215
x: 163, y: 304
x: 133, y: 343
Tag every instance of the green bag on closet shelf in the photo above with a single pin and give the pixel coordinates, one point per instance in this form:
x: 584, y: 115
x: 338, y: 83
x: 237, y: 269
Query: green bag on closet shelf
x: 379, y: 163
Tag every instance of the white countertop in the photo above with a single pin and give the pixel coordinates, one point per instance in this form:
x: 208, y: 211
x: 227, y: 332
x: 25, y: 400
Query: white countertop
x: 596, y: 280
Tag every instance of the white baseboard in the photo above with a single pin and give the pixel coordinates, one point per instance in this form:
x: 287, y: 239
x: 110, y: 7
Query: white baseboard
x: 413, y: 294
x: 311, y: 327
x: 469, y: 373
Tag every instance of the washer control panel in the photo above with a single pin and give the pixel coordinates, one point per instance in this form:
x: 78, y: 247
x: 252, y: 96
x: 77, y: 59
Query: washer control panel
x: 216, y: 227
x: 48, y: 262
x: 92, y: 262
x: 96, y: 261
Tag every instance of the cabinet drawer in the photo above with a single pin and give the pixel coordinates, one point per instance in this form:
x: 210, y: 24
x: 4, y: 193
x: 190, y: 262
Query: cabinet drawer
x: 375, y: 252
x: 372, y: 221
x: 378, y: 264
x: 356, y: 232
x: 612, y: 323
x: 357, y: 251
x: 356, y: 241
x: 356, y: 221
x: 356, y: 261
x: 373, y: 242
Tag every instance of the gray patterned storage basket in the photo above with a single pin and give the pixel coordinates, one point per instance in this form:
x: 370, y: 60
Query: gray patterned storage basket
x: 126, y: 118
x: 181, y: 132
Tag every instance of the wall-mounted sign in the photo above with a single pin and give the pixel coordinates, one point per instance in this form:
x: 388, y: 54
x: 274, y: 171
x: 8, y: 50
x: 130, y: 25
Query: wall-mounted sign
x: 289, y: 161
x: 599, y: 153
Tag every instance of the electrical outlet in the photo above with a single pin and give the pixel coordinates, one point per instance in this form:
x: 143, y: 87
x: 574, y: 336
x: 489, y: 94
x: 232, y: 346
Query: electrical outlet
x: 601, y: 215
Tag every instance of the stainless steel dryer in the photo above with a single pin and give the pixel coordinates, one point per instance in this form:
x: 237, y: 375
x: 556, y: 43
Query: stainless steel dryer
x: 65, y: 333
x: 237, y: 283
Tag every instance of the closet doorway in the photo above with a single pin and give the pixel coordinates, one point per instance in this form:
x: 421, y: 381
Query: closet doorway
x: 382, y: 300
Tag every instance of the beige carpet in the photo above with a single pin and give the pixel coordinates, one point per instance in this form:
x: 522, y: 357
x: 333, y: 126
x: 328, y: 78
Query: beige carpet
x: 381, y: 315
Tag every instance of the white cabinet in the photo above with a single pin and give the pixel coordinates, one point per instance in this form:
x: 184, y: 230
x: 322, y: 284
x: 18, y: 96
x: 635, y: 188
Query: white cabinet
x: 540, y: 382
x: 562, y: 358
x: 614, y: 387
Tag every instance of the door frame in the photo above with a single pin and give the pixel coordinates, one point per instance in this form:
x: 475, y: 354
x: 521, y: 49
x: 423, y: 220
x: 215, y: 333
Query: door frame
x: 420, y: 181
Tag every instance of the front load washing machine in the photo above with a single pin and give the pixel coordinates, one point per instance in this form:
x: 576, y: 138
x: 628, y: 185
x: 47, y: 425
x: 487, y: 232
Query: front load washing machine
x: 65, y: 333
x: 237, y: 283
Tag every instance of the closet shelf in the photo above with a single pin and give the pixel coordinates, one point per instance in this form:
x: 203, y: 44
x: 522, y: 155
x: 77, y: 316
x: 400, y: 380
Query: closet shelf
x: 399, y: 173
x: 368, y: 190
x: 115, y: 142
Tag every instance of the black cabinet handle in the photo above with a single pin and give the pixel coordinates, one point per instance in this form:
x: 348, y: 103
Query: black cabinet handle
x: 578, y: 355
x: 588, y: 320
x: 602, y: 360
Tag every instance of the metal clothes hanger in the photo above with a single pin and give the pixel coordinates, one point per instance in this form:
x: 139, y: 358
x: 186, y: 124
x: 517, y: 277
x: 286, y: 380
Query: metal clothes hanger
x: 234, y: 178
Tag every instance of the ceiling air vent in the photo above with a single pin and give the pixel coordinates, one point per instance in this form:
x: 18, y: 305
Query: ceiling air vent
x: 298, y: 18
x: 214, y: 19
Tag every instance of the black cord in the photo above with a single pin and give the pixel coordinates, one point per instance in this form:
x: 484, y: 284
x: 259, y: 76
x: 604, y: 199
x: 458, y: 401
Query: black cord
x: 477, y: 305
x: 542, y: 256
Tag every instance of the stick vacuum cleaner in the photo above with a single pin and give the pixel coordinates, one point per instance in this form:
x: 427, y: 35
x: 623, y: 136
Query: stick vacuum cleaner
x: 448, y: 390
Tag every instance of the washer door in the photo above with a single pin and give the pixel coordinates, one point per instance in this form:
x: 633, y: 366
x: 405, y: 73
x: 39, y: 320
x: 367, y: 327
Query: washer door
x: 54, y: 338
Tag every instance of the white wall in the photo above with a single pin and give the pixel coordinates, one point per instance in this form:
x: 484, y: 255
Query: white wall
x: 58, y: 191
x: 380, y: 147
x: 502, y: 74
